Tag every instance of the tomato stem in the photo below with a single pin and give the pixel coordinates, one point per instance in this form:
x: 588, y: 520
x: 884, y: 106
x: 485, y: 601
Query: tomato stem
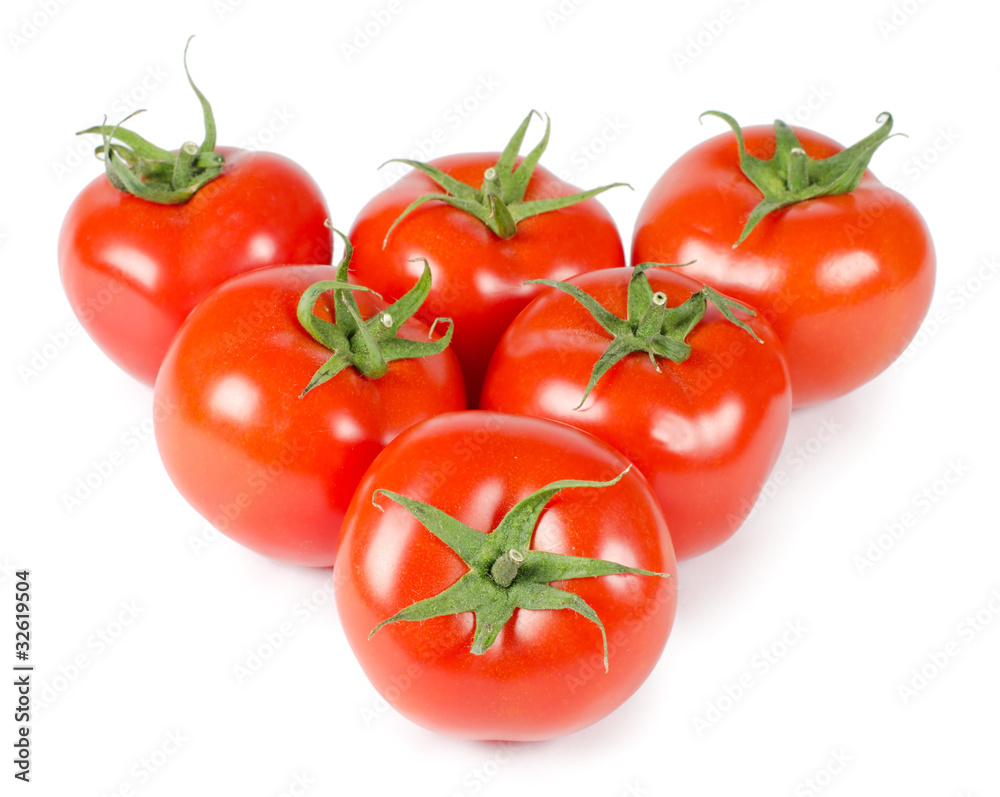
x: 504, y: 573
x: 505, y: 567
x: 499, y: 202
x: 142, y: 169
x: 184, y: 163
x: 650, y: 326
x: 368, y: 345
x: 798, y: 170
x: 791, y: 176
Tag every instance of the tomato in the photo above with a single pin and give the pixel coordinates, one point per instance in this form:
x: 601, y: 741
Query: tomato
x: 274, y: 471
x: 133, y: 268
x: 845, y: 280
x: 479, y: 275
x: 478, y: 667
x: 705, y: 431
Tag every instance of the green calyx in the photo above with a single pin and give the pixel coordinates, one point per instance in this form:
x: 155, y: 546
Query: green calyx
x: 791, y: 176
x: 499, y: 202
x: 504, y: 573
x: 137, y: 167
x: 650, y: 326
x: 368, y: 345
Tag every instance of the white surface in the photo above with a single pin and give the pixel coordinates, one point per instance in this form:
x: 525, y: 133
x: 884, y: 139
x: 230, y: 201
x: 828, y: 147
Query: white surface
x: 309, y: 716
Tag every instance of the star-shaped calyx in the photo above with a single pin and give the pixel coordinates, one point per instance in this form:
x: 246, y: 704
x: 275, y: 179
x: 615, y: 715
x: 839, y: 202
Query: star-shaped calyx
x: 791, y: 176
x: 650, y: 326
x: 504, y: 573
x: 138, y: 167
x: 499, y: 202
x: 368, y: 345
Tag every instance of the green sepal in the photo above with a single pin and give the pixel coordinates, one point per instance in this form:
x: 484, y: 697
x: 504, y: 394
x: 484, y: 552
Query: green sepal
x: 727, y: 307
x: 138, y: 167
x: 650, y: 326
x: 367, y: 344
x: 608, y: 320
x: 791, y: 176
x: 537, y: 597
x: 545, y: 567
x: 620, y: 348
x: 499, y: 201
x: 463, y: 540
x: 477, y: 591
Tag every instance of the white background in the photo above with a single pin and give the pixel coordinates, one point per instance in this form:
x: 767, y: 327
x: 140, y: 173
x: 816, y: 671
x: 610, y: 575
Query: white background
x: 623, y: 107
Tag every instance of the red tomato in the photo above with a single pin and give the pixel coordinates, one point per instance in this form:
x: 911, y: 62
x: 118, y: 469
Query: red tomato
x: 478, y: 276
x: 844, y: 280
x: 705, y: 432
x: 544, y: 675
x: 134, y: 269
x: 270, y: 469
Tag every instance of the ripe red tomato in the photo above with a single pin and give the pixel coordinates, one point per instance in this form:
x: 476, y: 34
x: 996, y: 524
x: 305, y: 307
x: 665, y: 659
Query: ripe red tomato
x: 478, y: 275
x: 141, y: 246
x: 133, y: 269
x: 705, y: 432
x: 270, y: 469
x: 845, y: 280
x: 543, y: 673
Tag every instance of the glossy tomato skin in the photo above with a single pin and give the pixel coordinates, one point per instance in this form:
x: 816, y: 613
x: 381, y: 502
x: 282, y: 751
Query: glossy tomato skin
x: 134, y: 269
x: 544, y: 676
x: 705, y: 433
x: 844, y: 280
x: 273, y: 471
x: 478, y: 276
